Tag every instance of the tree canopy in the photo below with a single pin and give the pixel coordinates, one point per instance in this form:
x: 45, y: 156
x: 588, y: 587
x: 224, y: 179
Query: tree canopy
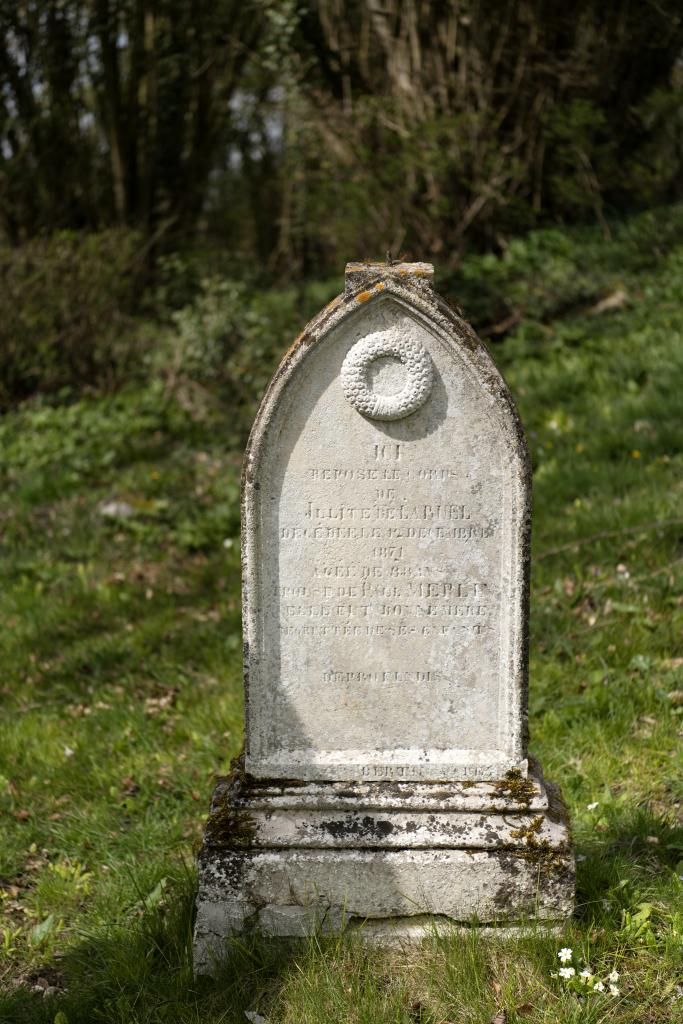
x: 303, y: 133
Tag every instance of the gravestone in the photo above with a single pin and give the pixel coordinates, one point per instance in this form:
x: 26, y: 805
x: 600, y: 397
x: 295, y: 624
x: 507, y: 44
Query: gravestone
x: 385, y: 782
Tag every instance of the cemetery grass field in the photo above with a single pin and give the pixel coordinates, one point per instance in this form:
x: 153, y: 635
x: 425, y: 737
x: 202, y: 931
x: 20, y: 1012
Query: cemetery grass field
x: 121, y: 675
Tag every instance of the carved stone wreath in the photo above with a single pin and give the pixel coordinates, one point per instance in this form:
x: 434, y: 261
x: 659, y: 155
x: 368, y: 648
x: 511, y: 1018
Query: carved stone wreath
x: 354, y: 377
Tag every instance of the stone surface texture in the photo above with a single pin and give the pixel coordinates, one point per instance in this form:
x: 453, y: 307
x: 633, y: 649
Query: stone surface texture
x: 386, y: 561
x: 390, y: 859
x: 385, y: 537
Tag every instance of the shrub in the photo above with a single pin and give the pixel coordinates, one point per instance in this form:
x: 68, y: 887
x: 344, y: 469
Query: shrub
x: 68, y: 312
x: 227, y: 342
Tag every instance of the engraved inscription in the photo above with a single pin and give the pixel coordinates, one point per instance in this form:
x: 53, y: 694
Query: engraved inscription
x: 468, y: 773
x: 398, y: 591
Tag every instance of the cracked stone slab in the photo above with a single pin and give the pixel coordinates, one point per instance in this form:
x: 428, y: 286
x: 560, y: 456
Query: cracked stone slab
x: 293, y: 892
x: 281, y: 873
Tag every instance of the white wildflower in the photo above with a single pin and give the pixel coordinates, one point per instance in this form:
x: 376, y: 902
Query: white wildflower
x: 614, y: 976
x: 614, y: 990
x: 565, y: 954
x: 567, y: 972
x: 598, y: 987
x: 591, y: 807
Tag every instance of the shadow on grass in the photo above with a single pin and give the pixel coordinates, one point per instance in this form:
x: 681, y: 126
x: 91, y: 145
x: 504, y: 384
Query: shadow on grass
x: 96, y: 643
x: 140, y: 972
x: 630, y: 854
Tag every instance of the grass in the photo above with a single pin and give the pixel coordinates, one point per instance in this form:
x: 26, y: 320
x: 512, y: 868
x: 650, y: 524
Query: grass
x: 121, y: 687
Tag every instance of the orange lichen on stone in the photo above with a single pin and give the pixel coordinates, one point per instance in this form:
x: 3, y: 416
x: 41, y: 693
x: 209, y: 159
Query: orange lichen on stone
x: 409, y: 272
x: 364, y: 296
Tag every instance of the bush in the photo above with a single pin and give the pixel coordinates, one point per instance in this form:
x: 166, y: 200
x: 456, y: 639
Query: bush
x: 226, y: 343
x: 68, y: 313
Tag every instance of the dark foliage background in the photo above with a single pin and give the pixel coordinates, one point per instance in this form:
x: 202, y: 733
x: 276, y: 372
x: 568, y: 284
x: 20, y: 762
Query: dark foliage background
x: 148, y: 146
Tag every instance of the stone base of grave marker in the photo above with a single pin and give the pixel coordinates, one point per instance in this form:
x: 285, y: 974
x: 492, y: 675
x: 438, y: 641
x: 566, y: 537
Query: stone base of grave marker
x: 395, y: 859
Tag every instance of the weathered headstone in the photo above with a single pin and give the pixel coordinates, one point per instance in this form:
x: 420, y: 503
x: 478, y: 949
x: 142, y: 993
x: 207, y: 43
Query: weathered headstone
x: 385, y: 532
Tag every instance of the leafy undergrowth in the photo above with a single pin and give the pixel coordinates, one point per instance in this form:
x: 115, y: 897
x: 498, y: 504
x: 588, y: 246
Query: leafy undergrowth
x: 121, y: 689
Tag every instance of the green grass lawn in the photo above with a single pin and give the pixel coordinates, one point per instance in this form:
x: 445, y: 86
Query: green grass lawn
x: 121, y: 679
